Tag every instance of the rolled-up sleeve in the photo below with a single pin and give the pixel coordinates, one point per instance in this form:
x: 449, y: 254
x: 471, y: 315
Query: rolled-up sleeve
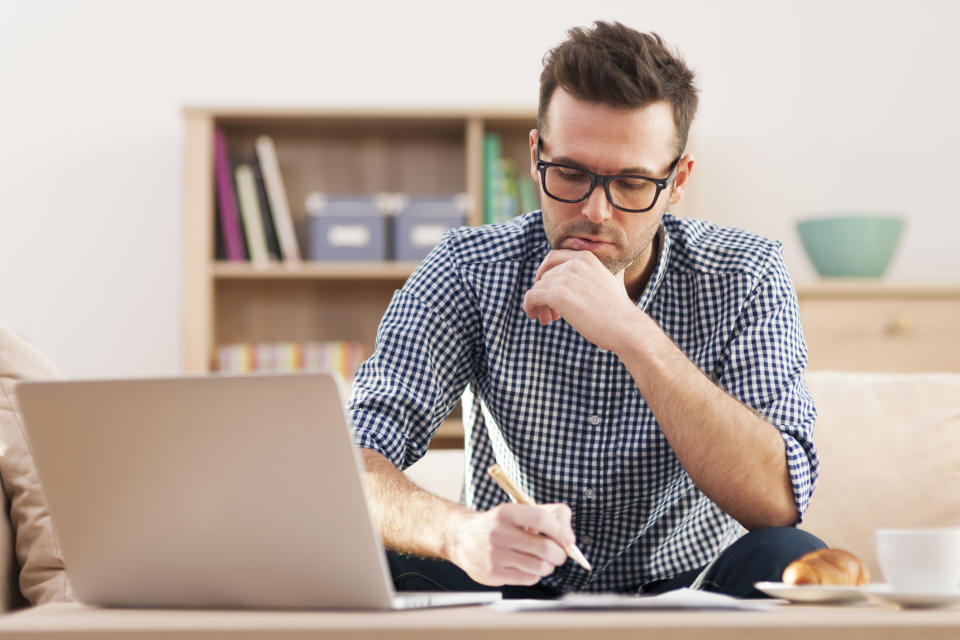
x: 423, y: 360
x: 765, y: 362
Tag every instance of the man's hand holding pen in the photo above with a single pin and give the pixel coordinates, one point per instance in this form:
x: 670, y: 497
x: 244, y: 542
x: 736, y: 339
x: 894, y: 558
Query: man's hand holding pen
x: 512, y: 543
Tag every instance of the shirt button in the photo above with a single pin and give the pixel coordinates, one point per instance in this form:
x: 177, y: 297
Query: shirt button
x: 589, y: 493
x: 594, y: 420
x: 585, y: 541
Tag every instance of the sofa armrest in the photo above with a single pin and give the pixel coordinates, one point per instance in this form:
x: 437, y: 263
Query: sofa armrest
x: 10, y: 596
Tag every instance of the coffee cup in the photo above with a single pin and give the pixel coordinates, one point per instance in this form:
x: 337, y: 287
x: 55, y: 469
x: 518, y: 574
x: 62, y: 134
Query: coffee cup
x: 920, y: 560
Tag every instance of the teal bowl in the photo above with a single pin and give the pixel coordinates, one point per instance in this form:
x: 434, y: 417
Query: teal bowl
x: 851, y: 246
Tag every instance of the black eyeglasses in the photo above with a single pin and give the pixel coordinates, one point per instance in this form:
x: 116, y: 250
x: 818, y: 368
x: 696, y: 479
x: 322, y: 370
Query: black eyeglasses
x: 630, y: 193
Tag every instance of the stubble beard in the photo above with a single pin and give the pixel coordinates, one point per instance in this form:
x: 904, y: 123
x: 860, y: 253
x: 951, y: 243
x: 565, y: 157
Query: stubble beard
x: 615, y: 263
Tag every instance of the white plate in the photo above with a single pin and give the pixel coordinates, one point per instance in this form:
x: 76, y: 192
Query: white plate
x: 885, y: 594
x: 811, y: 593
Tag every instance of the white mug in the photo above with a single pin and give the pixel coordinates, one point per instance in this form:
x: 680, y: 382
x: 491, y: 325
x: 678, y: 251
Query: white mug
x: 920, y: 560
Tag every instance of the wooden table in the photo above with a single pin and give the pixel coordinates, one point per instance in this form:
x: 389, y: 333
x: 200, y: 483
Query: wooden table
x: 863, y: 622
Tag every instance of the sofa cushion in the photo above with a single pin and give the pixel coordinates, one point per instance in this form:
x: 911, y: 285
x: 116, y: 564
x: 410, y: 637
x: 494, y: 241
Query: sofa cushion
x: 440, y: 472
x: 889, y: 448
x: 10, y: 595
x: 42, y: 578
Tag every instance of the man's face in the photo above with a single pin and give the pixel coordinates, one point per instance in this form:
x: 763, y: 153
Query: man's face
x: 608, y: 140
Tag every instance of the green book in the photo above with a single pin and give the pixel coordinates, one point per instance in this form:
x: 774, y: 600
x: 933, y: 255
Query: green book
x: 509, y: 199
x: 528, y: 195
x: 491, y: 175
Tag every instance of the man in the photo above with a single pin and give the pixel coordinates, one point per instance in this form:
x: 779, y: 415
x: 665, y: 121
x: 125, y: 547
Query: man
x: 641, y: 375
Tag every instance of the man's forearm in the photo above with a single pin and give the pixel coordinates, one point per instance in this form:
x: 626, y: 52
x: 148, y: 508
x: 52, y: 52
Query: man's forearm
x: 501, y: 546
x: 732, y: 454
x: 410, y: 519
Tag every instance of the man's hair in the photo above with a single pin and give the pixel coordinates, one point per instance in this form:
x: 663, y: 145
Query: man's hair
x: 618, y: 66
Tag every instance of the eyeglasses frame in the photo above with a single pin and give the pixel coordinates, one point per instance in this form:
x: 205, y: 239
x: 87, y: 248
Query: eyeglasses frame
x: 605, y: 180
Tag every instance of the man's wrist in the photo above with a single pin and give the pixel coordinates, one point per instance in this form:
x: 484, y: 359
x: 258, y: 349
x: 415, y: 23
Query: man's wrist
x: 636, y: 336
x: 453, y: 524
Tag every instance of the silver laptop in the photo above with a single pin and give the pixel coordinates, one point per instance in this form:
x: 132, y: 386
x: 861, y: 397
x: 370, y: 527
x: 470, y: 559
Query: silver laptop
x: 240, y: 491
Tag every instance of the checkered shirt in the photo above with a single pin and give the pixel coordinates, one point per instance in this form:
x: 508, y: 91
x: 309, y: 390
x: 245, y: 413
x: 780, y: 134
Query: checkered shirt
x: 563, y: 417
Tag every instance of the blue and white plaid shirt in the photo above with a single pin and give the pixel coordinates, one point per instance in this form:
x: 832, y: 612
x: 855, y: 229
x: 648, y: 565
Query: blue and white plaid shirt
x: 563, y: 417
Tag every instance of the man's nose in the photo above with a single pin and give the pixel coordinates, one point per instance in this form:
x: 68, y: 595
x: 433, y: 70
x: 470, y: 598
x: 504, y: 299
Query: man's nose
x: 597, y: 208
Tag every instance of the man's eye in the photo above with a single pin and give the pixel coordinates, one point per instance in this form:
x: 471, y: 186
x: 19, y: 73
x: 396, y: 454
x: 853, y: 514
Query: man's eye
x: 633, y: 184
x: 571, y: 174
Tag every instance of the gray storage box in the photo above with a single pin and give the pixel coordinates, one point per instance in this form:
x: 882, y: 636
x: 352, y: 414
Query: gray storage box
x: 421, y: 221
x: 346, y: 228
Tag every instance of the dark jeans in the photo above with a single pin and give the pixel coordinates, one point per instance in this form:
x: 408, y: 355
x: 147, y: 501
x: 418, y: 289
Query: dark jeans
x: 760, y: 555
x: 412, y: 573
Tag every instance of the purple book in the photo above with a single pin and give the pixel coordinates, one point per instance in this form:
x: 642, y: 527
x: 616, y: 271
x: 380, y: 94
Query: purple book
x: 227, y: 199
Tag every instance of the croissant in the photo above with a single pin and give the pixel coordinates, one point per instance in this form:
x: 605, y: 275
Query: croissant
x: 829, y: 567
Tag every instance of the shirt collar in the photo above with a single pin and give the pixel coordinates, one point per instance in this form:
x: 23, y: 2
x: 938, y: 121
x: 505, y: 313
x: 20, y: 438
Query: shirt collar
x: 663, y: 244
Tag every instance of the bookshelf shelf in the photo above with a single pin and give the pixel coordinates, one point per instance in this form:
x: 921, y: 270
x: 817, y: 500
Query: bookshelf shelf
x: 449, y: 435
x: 349, y: 151
x: 394, y: 271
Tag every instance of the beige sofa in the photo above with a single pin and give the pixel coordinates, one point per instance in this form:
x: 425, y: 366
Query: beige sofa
x: 889, y: 443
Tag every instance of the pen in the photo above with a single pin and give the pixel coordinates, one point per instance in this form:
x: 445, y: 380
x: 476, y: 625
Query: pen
x: 520, y: 497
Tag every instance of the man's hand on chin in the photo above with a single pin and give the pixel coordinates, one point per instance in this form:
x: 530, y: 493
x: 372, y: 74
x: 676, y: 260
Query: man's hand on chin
x: 576, y: 286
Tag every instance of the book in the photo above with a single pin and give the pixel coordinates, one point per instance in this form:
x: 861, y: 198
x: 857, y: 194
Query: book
x: 277, y: 195
x: 528, y: 195
x: 233, y: 240
x: 491, y: 176
x: 269, y: 230
x: 250, y: 214
x: 220, y: 249
x: 508, y: 200
x: 337, y: 355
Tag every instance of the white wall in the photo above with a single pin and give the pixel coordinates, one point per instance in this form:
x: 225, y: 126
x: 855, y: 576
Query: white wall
x: 807, y: 107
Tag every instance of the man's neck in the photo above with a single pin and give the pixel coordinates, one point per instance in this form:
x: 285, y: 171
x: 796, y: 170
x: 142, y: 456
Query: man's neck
x: 643, y: 269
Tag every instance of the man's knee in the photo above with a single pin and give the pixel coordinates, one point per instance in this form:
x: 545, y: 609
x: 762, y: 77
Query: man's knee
x: 771, y: 549
x: 760, y: 555
x: 778, y: 546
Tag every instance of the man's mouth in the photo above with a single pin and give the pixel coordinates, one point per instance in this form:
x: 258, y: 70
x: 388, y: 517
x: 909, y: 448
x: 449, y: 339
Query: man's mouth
x: 584, y: 243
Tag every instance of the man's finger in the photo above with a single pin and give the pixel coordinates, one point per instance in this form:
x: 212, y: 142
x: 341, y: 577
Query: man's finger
x: 540, y: 554
x: 542, y: 520
x: 554, y: 258
x: 560, y: 511
x: 536, y: 309
x: 512, y: 575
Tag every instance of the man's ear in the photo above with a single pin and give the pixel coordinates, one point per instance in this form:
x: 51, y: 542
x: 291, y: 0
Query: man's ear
x: 534, y: 139
x: 684, y: 169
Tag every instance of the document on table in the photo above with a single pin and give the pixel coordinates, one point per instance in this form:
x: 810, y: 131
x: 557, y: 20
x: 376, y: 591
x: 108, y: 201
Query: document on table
x: 677, y: 599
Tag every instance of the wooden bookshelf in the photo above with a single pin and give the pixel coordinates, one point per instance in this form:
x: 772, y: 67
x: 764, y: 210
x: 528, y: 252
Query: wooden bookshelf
x: 393, y: 271
x: 349, y: 151
x: 873, y: 325
x: 849, y: 324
